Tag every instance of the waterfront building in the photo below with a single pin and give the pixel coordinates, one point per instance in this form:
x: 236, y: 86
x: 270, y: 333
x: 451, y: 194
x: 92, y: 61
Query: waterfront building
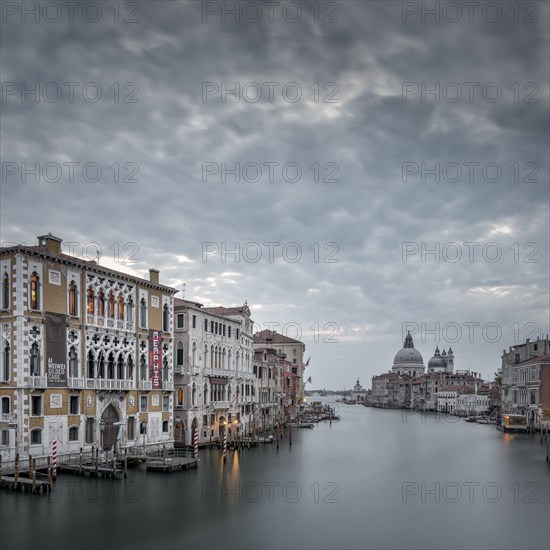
x: 358, y: 394
x: 275, y: 400
x: 86, y: 353
x: 215, y: 386
x: 472, y: 404
x: 383, y: 390
x: 521, y: 378
x: 410, y: 386
x: 290, y: 349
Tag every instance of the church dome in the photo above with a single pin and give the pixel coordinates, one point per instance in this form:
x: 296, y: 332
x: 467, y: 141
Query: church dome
x: 437, y: 362
x: 408, y: 354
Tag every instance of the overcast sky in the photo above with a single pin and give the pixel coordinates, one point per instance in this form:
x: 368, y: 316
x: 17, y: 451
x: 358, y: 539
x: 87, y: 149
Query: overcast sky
x: 360, y: 68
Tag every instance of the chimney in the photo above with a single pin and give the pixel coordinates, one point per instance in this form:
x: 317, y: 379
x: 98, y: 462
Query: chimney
x: 154, y: 275
x: 50, y: 244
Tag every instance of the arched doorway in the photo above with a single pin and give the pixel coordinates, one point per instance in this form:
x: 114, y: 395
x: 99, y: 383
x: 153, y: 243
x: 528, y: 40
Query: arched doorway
x: 108, y: 418
x: 179, y: 430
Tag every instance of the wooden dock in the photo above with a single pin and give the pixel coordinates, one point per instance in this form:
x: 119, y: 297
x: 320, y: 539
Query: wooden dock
x: 26, y: 475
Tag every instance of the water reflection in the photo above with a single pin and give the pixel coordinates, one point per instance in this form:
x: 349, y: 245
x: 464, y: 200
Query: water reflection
x: 376, y: 479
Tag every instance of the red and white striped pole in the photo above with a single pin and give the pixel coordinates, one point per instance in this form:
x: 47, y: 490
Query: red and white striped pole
x: 54, y: 458
x: 196, y: 443
x: 224, y: 445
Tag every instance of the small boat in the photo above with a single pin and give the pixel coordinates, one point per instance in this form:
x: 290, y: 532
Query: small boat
x: 470, y: 419
x: 482, y: 421
x: 268, y: 439
x: 303, y: 425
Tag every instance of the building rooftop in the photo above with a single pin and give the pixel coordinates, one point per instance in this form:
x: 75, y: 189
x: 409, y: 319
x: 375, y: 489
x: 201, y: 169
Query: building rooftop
x: 273, y: 337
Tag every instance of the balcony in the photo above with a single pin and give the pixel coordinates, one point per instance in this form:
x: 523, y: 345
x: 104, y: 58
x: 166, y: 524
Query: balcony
x: 76, y: 383
x: 178, y: 369
x: 38, y: 381
x: 106, y: 384
x: 145, y: 385
x: 195, y: 370
x: 108, y: 322
x: 220, y: 404
x: 167, y: 386
x: 226, y: 373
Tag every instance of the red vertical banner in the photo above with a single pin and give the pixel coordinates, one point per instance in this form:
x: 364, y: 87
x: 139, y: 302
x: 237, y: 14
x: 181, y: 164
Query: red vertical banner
x: 155, y: 358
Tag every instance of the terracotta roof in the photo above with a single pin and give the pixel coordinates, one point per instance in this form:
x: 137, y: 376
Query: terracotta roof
x: 534, y: 360
x: 274, y: 337
x: 220, y: 310
x: 186, y: 303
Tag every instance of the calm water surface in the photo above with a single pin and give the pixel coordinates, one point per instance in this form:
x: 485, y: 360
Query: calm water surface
x: 378, y: 479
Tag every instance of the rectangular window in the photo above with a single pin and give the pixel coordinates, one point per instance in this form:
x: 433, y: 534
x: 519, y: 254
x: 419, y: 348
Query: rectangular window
x: 212, y: 419
x: 36, y: 437
x: 165, y: 402
x: 73, y: 433
x: 229, y: 332
x: 5, y: 437
x: 179, y: 357
x: 36, y: 405
x: 237, y: 334
x: 194, y: 321
x: 131, y: 428
x: 5, y: 405
x: 206, y: 325
x: 73, y: 404
x: 180, y: 320
x: 89, y: 434
x: 143, y: 403
x: 205, y: 420
x: 165, y: 426
x: 212, y: 327
x: 224, y: 330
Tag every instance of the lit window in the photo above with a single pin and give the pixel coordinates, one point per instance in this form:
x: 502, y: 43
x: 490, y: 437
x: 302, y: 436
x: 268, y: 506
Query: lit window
x: 73, y: 299
x: 35, y: 291
x: 90, y: 306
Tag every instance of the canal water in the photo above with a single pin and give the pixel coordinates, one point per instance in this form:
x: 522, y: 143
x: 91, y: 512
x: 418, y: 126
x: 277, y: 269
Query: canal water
x: 378, y: 479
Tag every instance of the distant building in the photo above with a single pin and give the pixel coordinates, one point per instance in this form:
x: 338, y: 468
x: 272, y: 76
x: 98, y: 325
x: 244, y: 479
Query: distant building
x: 290, y: 349
x: 408, y: 360
x: 359, y: 394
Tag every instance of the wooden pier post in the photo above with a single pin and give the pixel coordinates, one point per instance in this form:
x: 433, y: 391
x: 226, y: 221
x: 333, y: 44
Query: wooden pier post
x: 114, y: 464
x: 164, y: 456
x: 49, y: 473
x: 290, y: 434
x: 16, y: 474
x: 278, y: 433
x: 33, y: 470
x: 125, y: 463
x: 96, y: 461
x: 81, y: 472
